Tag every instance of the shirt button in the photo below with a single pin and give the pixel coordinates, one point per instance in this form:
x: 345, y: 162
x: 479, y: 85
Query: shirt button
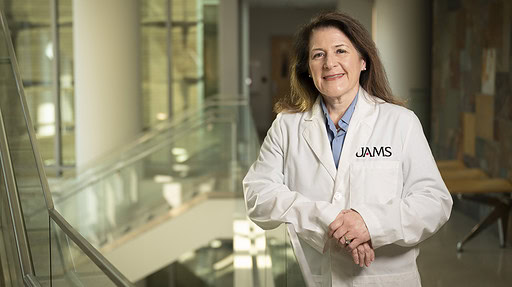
x: 337, y: 196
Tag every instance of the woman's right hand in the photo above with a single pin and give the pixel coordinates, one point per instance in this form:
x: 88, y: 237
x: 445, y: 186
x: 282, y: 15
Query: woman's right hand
x: 363, y: 254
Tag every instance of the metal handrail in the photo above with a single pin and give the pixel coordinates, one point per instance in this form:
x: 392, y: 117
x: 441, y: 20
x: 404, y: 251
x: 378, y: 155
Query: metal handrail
x: 100, y: 261
x: 22, y: 242
x: 163, y: 127
x: 19, y: 229
x: 31, y: 281
x: 72, y: 187
x: 157, y: 131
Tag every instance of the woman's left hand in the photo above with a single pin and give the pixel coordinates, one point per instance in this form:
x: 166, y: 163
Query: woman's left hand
x: 363, y: 255
x: 349, y: 226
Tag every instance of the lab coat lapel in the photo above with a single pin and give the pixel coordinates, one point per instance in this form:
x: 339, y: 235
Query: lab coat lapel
x: 316, y: 136
x: 360, y: 128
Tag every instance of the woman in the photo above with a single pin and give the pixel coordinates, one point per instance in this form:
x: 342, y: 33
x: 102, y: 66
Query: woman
x: 346, y: 164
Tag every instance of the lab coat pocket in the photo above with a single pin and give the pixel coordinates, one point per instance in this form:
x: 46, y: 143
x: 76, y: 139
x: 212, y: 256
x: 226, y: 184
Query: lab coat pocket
x: 374, y: 181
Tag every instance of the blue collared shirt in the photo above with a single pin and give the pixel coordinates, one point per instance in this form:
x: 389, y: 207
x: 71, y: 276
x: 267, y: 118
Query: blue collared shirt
x: 337, y: 138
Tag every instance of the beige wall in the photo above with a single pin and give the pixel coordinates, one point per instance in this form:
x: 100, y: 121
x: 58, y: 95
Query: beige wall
x: 403, y: 37
x: 229, y: 49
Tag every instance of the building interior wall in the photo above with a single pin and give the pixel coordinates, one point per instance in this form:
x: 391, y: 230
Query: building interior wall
x: 401, y: 31
x: 471, y: 87
x: 472, y: 82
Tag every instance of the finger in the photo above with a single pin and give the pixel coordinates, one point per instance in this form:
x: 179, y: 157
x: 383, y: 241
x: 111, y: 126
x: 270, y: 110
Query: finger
x: 369, y: 254
x: 335, y: 225
x: 373, y: 253
x: 354, y: 243
x: 338, y: 234
x: 373, y: 250
x: 362, y: 255
x: 355, y: 256
x: 342, y: 242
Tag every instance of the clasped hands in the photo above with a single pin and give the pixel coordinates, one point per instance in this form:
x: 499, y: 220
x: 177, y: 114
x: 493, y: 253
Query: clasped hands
x: 351, y: 233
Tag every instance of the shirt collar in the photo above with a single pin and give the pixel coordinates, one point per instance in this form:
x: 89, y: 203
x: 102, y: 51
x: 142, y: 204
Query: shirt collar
x: 345, y: 119
x: 348, y: 114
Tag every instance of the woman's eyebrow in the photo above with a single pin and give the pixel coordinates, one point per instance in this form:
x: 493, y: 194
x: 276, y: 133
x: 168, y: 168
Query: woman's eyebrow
x: 335, y: 46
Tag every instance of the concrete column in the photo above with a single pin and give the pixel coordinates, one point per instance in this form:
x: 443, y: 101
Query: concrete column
x: 403, y: 37
x: 245, y: 48
x: 229, y: 49
x: 107, y: 81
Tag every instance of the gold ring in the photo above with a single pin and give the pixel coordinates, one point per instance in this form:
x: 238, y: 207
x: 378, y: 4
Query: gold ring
x: 347, y: 241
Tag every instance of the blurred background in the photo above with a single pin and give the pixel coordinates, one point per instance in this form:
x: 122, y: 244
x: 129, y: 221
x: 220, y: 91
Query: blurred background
x: 147, y: 114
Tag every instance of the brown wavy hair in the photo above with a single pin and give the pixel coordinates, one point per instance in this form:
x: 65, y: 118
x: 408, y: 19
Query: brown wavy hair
x: 303, y: 91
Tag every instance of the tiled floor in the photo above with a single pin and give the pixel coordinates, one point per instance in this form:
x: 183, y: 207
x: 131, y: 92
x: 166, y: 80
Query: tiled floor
x: 482, y: 263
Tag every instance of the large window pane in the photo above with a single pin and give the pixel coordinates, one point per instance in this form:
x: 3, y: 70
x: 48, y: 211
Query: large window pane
x: 29, y: 22
x: 172, y: 57
x: 154, y: 56
x: 66, y: 80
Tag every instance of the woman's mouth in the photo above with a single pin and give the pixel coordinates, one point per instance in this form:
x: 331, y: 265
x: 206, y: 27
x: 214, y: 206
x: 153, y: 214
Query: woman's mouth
x: 333, y: 77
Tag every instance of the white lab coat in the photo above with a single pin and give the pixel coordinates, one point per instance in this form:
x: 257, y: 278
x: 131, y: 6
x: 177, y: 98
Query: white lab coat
x: 386, y: 173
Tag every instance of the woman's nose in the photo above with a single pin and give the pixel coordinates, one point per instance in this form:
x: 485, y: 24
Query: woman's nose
x: 329, y: 62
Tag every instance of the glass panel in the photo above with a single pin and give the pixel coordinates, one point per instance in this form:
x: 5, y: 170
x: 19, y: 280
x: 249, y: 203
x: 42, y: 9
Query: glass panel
x: 294, y: 276
x: 9, y: 264
x: 31, y: 34
x: 187, y: 71
x: 195, y: 160
x: 249, y: 141
x: 285, y: 267
x: 59, y: 255
x: 187, y: 68
x: 276, y: 250
x: 66, y: 78
x: 26, y: 174
x: 154, y: 47
x: 70, y: 266
x: 154, y: 10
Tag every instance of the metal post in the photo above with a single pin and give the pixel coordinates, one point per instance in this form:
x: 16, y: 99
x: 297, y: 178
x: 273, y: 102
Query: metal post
x: 234, y: 152
x: 57, y: 144
x: 169, y: 58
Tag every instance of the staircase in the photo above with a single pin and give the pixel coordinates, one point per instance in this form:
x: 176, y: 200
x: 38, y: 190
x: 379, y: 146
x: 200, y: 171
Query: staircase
x: 38, y: 247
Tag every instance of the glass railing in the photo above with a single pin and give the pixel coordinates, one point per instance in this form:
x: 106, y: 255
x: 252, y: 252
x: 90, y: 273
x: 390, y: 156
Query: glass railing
x: 38, y: 247
x: 203, y: 153
x: 289, y: 265
x: 9, y: 255
x: 198, y: 154
x: 70, y: 263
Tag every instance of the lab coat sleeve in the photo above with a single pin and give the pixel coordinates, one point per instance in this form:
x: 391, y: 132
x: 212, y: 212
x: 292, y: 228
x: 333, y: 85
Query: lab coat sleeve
x: 270, y: 202
x: 425, y: 204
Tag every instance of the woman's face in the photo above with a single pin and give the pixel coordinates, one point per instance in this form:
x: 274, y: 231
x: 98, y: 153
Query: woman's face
x: 334, y: 63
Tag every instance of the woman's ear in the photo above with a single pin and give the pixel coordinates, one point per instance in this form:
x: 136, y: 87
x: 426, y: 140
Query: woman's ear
x: 363, y: 68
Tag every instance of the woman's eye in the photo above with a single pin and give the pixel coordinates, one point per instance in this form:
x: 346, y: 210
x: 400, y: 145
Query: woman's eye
x: 340, y: 51
x: 317, y: 55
